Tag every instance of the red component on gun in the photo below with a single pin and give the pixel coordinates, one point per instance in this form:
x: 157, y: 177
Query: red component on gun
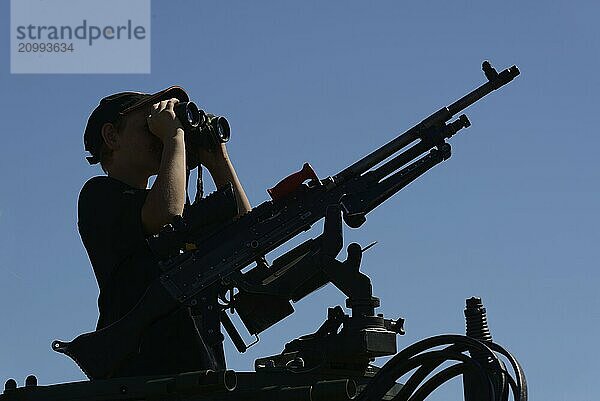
x: 292, y: 183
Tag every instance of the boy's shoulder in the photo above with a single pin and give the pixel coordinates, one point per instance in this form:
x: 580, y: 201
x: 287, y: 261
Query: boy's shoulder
x: 104, y: 182
x: 106, y: 188
x: 97, y: 186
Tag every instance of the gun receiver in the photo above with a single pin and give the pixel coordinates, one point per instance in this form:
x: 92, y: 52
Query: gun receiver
x: 220, y: 255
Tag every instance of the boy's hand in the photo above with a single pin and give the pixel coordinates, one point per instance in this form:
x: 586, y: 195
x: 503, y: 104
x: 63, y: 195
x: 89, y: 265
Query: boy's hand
x: 213, y: 159
x: 163, y: 122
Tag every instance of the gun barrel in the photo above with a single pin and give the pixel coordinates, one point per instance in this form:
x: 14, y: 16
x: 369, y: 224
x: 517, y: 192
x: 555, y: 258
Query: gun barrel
x: 378, y: 155
x: 495, y: 81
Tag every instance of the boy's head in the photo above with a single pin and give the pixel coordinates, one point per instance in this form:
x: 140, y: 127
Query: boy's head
x: 120, y: 113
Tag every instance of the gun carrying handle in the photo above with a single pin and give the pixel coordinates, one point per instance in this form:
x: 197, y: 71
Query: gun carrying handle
x: 292, y: 182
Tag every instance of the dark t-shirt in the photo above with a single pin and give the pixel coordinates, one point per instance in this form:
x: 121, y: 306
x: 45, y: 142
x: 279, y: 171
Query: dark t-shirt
x: 110, y: 225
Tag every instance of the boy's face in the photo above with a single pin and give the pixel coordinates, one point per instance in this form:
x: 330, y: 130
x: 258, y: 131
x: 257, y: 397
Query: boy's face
x: 138, y: 147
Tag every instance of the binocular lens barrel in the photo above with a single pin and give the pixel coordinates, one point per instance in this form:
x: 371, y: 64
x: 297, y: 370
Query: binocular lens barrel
x: 221, y: 128
x: 189, y: 114
x: 204, y: 129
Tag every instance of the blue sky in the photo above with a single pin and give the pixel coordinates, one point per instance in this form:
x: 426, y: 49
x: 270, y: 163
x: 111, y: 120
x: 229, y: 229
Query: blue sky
x: 511, y: 217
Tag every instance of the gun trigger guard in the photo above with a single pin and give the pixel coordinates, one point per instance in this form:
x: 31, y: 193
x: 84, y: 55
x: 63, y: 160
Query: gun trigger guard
x: 256, y: 340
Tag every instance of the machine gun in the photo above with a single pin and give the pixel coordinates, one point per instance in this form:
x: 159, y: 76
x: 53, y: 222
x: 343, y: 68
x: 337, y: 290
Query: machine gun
x: 297, y: 202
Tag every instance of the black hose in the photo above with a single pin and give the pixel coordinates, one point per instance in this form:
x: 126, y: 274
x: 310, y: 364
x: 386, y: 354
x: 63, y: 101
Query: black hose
x: 520, y: 381
x: 387, y: 376
x: 421, y: 356
x: 437, y: 380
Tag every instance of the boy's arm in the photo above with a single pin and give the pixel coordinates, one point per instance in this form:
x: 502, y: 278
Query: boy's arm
x: 221, y: 169
x: 167, y: 197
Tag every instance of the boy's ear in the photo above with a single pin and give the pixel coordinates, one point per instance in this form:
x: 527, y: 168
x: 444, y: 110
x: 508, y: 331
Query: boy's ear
x: 110, y: 136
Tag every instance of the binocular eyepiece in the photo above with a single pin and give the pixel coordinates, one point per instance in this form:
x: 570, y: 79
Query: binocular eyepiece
x: 202, y: 129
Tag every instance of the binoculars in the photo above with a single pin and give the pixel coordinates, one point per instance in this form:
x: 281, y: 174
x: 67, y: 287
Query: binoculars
x: 202, y: 129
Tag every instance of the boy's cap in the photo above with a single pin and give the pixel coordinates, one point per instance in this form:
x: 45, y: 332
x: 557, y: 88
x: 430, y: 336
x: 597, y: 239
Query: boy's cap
x: 113, y: 106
